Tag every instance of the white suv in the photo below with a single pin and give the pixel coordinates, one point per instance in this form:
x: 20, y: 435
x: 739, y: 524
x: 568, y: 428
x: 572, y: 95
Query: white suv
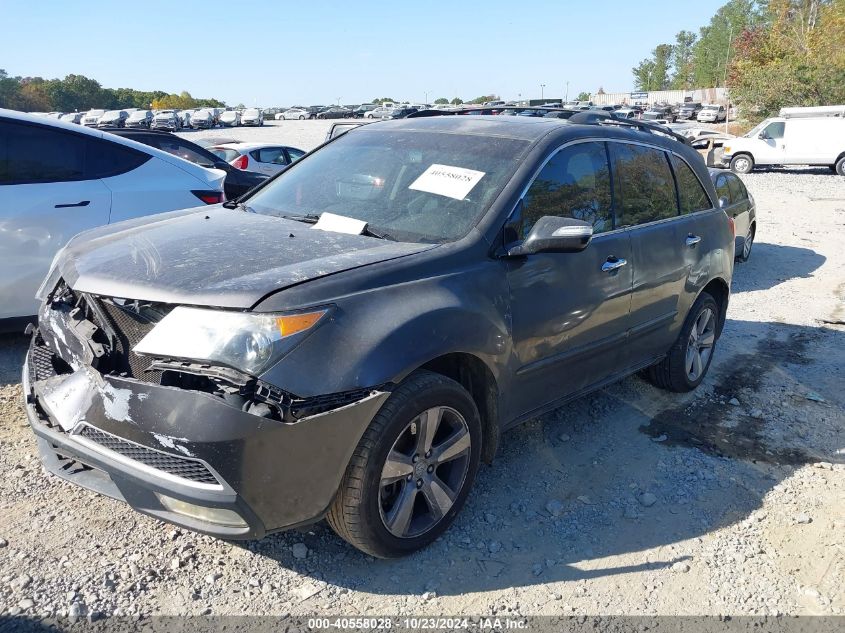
x: 57, y: 179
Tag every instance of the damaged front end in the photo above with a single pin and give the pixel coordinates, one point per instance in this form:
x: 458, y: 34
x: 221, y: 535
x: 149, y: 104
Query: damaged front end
x: 201, y: 445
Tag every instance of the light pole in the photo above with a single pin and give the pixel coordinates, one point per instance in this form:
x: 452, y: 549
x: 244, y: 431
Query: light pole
x: 338, y: 101
x: 725, y: 80
x: 426, y: 97
x: 542, y: 87
x: 566, y: 98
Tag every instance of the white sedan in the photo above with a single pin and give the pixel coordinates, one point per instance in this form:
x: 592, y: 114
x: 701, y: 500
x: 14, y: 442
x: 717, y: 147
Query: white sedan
x: 292, y: 114
x: 61, y: 179
x: 265, y: 158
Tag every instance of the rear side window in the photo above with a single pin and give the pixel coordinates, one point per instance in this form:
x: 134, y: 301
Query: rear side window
x: 691, y: 193
x: 274, y: 155
x: 575, y: 183
x: 295, y: 154
x: 178, y: 148
x: 646, y: 186
x: 722, y: 189
x: 105, y: 160
x: 35, y: 153
x: 226, y: 154
x: 738, y: 191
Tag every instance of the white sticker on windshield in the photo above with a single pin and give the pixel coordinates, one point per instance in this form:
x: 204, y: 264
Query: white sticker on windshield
x: 339, y: 224
x: 444, y: 180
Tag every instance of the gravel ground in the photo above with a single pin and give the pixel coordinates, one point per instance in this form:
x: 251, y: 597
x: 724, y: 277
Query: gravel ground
x: 729, y: 500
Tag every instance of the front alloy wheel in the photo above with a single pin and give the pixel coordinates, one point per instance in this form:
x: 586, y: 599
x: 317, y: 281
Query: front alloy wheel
x: 412, y: 469
x: 425, y: 468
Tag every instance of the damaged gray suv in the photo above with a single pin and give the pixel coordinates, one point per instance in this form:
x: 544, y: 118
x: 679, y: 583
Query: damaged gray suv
x: 351, y: 339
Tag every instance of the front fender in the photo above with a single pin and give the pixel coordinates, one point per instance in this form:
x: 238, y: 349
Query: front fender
x: 382, y: 335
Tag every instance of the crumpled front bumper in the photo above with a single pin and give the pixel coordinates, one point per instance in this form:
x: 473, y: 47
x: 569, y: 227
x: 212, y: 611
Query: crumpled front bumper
x: 139, y: 441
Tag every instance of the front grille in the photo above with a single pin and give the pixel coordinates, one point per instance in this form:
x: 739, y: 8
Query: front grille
x: 171, y: 464
x: 129, y: 328
x: 40, y: 361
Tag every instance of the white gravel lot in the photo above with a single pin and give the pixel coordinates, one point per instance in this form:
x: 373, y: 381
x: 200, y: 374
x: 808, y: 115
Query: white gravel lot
x: 729, y: 500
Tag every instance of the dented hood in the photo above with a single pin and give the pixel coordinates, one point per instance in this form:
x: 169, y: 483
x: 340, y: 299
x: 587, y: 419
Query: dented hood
x: 212, y: 256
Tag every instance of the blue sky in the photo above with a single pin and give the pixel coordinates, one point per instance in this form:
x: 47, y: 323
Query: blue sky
x: 314, y: 51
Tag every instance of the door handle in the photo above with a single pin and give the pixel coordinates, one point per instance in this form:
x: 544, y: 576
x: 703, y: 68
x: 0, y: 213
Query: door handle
x: 81, y: 203
x: 612, y: 264
x: 692, y: 240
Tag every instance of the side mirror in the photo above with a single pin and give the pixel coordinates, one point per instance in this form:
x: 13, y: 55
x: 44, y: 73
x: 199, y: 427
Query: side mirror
x: 724, y: 203
x: 762, y: 136
x: 551, y: 234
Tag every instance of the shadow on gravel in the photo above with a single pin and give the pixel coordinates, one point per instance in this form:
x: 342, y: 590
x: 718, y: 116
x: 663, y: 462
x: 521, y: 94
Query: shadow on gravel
x: 618, y: 482
x: 772, y: 264
x: 12, y: 352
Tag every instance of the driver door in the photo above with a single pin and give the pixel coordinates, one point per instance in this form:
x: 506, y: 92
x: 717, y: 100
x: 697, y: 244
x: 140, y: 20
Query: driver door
x: 771, y: 148
x: 570, y: 311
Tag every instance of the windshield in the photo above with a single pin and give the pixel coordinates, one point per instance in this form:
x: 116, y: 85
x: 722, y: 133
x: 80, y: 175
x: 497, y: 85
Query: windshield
x: 250, y: 113
x: 141, y: 114
x: 409, y: 185
x: 753, y: 132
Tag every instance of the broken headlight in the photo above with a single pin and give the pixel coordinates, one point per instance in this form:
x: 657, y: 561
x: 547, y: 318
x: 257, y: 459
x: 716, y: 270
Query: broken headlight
x: 250, y: 342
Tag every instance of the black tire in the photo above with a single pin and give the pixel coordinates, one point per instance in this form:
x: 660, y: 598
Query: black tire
x: 839, y: 168
x: 742, y: 163
x: 671, y: 373
x: 744, y: 255
x: 356, y: 512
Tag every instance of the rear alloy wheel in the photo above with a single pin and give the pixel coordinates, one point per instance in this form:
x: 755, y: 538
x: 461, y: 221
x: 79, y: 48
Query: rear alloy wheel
x: 412, y: 470
x: 687, y: 362
x: 742, y: 164
x: 839, y: 168
x: 747, y: 244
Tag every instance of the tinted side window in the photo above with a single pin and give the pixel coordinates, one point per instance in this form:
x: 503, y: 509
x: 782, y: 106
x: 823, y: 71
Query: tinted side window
x: 692, y: 195
x: 274, y: 155
x: 738, y: 192
x: 180, y: 149
x: 722, y: 189
x: 646, y: 185
x: 296, y: 154
x: 574, y: 183
x: 106, y: 159
x: 35, y: 153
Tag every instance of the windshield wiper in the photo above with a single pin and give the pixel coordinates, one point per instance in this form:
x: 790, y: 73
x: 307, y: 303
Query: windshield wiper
x: 308, y: 219
x: 234, y: 204
x: 312, y: 218
x: 377, y: 234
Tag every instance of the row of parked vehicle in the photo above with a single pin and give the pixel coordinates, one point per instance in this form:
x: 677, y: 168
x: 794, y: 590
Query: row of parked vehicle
x: 172, y: 120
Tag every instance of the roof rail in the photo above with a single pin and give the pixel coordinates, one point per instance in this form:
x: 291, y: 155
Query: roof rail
x: 817, y: 111
x: 600, y: 117
x: 581, y: 117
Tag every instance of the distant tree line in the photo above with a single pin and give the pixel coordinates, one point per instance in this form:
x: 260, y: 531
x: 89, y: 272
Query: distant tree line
x: 80, y: 93
x: 768, y: 53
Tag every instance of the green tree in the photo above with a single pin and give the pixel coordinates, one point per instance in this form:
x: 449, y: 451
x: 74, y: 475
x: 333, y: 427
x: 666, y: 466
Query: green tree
x: 794, y: 57
x: 441, y: 101
x: 456, y: 101
x: 682, y: 61
x: 583, y: 96
x: 711, y: 52
x: 643, y: 73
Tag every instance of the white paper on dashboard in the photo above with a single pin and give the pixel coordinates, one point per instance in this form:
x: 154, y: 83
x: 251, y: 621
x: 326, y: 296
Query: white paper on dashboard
x: 444, y: 180
x: 340, y: 224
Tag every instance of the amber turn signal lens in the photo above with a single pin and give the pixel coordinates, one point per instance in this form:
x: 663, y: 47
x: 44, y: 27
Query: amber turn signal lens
x: 295, y: 323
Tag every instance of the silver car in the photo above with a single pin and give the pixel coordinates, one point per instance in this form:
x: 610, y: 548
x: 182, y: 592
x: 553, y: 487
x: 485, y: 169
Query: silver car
x: 92, y: 117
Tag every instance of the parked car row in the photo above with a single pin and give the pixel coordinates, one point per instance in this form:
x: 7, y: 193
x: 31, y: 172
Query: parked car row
x: 168, y: 119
